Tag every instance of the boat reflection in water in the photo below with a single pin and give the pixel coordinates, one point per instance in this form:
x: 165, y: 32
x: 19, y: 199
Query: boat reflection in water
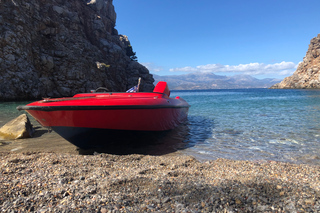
x: 184, y: 136
x: 151, y: 143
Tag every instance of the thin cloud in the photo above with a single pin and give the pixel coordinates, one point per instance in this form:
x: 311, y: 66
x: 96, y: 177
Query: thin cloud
x: 283, y: 68
x: 152, y: 67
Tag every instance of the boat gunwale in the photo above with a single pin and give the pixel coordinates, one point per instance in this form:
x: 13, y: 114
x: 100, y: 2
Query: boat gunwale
x: 99, y: 95
x: 99, y: 107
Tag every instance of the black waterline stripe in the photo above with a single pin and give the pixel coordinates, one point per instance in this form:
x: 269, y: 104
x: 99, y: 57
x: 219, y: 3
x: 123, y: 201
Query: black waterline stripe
x: 68, y: 108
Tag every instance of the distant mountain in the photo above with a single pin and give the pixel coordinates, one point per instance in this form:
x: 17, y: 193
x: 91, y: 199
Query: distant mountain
x: 195, y: 81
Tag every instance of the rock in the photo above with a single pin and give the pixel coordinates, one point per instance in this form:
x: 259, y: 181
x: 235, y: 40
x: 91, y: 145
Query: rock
x: 17, y: 128
x: 58, y: 9
x: 50, y: 49
x: 103, y: 210
x: 309, y: 201
x: 307, y: 75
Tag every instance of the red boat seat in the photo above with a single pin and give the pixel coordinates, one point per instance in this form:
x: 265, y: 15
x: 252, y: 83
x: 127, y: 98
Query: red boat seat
x: 162, y: 87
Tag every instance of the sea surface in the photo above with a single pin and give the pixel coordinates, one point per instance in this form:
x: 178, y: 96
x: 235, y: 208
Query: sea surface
x: 242, y: 124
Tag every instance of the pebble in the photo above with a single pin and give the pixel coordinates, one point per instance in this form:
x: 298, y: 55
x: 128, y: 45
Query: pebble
x: 61, y: 182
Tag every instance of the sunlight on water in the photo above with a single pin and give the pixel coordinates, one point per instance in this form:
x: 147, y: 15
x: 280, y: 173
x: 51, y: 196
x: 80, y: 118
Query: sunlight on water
x: 255, y: 124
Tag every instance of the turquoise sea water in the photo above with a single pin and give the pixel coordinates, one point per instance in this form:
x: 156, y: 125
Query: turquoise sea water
x: 8, y: 111
x: 243, y: 124
x: 254, y: 124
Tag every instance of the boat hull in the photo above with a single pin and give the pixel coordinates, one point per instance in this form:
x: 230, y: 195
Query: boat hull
x: 89, y: 120
x: 93, y: 138
x: 117, y: 119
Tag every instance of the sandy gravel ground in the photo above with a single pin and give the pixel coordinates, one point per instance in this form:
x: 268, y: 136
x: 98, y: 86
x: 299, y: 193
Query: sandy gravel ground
x: 67, y: 182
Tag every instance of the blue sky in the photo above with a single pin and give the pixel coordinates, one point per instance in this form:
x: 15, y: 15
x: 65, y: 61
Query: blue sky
x: 262, y: 38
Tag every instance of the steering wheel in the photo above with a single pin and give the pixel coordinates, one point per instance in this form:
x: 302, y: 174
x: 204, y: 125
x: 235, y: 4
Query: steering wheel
x: 101, y: 89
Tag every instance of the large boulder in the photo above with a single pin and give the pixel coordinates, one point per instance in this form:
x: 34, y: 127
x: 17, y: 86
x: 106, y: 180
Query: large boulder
x: 17, y: 128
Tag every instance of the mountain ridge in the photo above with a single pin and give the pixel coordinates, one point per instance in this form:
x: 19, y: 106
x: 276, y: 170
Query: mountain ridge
x: 194, y: 81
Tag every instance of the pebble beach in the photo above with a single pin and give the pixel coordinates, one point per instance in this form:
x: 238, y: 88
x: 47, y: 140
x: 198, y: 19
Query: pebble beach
x: 68, y: 182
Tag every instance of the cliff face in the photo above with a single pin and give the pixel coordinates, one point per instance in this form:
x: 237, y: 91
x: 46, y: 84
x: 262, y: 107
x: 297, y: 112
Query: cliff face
x: 54, y: 48
x: 307, y: 75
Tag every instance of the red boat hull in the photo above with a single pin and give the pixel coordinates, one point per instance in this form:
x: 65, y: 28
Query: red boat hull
x: 146, y: 119
x: 82, y: 118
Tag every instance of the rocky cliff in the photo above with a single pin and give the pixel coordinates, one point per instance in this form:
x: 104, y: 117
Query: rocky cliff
x: 307, y: 75
x: 54, y: 48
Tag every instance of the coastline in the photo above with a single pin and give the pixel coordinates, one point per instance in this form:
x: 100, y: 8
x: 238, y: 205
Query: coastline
x: 54, y: 181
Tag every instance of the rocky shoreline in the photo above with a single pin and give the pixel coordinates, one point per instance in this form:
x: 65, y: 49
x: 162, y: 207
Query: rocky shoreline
x: 64, y: 182
x: 307, y: 75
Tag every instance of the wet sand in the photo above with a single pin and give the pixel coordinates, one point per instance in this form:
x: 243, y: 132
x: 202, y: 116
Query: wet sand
x: 43, y: 141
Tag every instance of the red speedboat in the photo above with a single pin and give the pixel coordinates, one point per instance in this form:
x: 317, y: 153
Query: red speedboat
x: 87, y: 117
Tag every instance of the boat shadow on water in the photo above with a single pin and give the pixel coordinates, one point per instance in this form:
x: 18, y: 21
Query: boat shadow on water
x: 195, y: 130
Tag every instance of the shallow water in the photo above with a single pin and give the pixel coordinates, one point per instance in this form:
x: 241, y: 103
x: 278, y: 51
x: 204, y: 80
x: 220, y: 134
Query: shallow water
x: 246, y: 124
x: 254, y: 124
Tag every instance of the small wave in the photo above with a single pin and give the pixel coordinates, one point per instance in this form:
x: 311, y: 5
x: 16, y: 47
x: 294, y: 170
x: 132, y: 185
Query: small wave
x: 205, y: 152
x: 255, y: 148
x: 287, y: 141
x: 230, y: 132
